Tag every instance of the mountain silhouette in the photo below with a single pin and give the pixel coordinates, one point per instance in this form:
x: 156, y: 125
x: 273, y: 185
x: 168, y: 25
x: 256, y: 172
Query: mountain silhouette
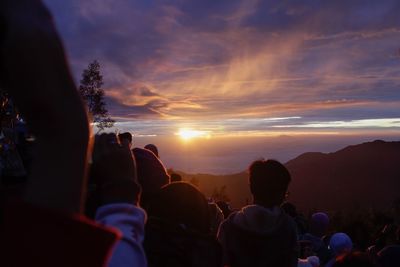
x: 365, y: 175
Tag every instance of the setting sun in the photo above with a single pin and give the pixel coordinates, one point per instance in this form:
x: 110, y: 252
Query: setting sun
x: 187, y: 134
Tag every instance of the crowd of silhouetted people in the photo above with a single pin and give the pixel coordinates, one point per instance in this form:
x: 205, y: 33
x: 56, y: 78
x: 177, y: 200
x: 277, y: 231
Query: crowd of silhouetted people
x: 154, y: 218
x: 101, y: 201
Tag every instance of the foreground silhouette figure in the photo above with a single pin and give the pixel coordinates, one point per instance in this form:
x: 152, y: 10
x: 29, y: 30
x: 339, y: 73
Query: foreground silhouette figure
x: 152, y: 174
x: 126, y: 139
x: 45, y: 226
x: 261, y: 234
x: 178, y: 231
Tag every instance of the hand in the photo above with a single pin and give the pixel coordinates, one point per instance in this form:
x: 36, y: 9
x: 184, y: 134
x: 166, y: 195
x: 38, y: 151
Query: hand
x: 114, y: 171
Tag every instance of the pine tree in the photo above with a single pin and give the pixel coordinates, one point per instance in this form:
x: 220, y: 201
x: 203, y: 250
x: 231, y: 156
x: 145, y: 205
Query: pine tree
x: 93, y: 95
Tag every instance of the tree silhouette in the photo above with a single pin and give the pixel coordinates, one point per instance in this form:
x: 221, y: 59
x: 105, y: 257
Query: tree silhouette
x: 93, y: 95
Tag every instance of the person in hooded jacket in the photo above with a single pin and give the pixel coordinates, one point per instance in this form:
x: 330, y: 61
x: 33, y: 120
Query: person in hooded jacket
x: 261, y: 234
x: 152, y: 174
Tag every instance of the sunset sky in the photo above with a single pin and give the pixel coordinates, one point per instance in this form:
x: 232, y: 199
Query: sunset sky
x: 241, y: 68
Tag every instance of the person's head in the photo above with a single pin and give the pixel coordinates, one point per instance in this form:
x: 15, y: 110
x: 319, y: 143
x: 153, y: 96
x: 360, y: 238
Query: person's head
x: 340, y: 243
x: 152, y: 148
x: 269, y: 181
x: 183, y: 204
x: 175, y: 177
x: 225, y: 207
x: 319, y: 224
x: 151, y: 173
x: 125, y: 139
x: 305, y: 248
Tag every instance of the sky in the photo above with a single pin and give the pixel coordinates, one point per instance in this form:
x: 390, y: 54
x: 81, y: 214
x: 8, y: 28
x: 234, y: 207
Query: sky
x: 241, y: 67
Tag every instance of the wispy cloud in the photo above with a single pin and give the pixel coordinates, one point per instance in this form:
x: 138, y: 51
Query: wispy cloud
x: 367, y: 123
x: 181, y: 61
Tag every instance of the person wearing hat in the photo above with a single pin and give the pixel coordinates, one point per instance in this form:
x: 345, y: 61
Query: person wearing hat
x: 339, y: 244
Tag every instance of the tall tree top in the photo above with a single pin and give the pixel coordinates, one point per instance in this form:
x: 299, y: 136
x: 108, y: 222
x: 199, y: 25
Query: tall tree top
x: 91, y: 77
x: 93, y: 95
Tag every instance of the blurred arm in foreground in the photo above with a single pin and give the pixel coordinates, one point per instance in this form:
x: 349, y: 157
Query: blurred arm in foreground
x: 35, y: 73
x: 47, y: 229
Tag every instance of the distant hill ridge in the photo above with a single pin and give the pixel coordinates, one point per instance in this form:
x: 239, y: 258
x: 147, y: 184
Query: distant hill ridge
x: 366, y: 175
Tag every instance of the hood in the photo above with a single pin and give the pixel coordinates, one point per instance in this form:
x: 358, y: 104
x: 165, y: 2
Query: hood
x: 151, y: 172
x: 259, y: 220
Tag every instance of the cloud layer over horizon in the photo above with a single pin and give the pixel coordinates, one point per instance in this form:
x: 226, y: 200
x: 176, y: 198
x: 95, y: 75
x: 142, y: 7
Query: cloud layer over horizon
x: 220, y: 61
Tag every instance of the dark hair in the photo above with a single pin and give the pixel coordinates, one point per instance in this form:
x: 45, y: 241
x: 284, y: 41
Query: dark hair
x: 183, y: 204
x: 175, y: 177
x: 151, y: 173
x: 269, y: 181
x: 126, y: 135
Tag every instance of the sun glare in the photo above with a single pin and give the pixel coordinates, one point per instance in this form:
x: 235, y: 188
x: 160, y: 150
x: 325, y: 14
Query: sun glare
x: 187, y: 134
